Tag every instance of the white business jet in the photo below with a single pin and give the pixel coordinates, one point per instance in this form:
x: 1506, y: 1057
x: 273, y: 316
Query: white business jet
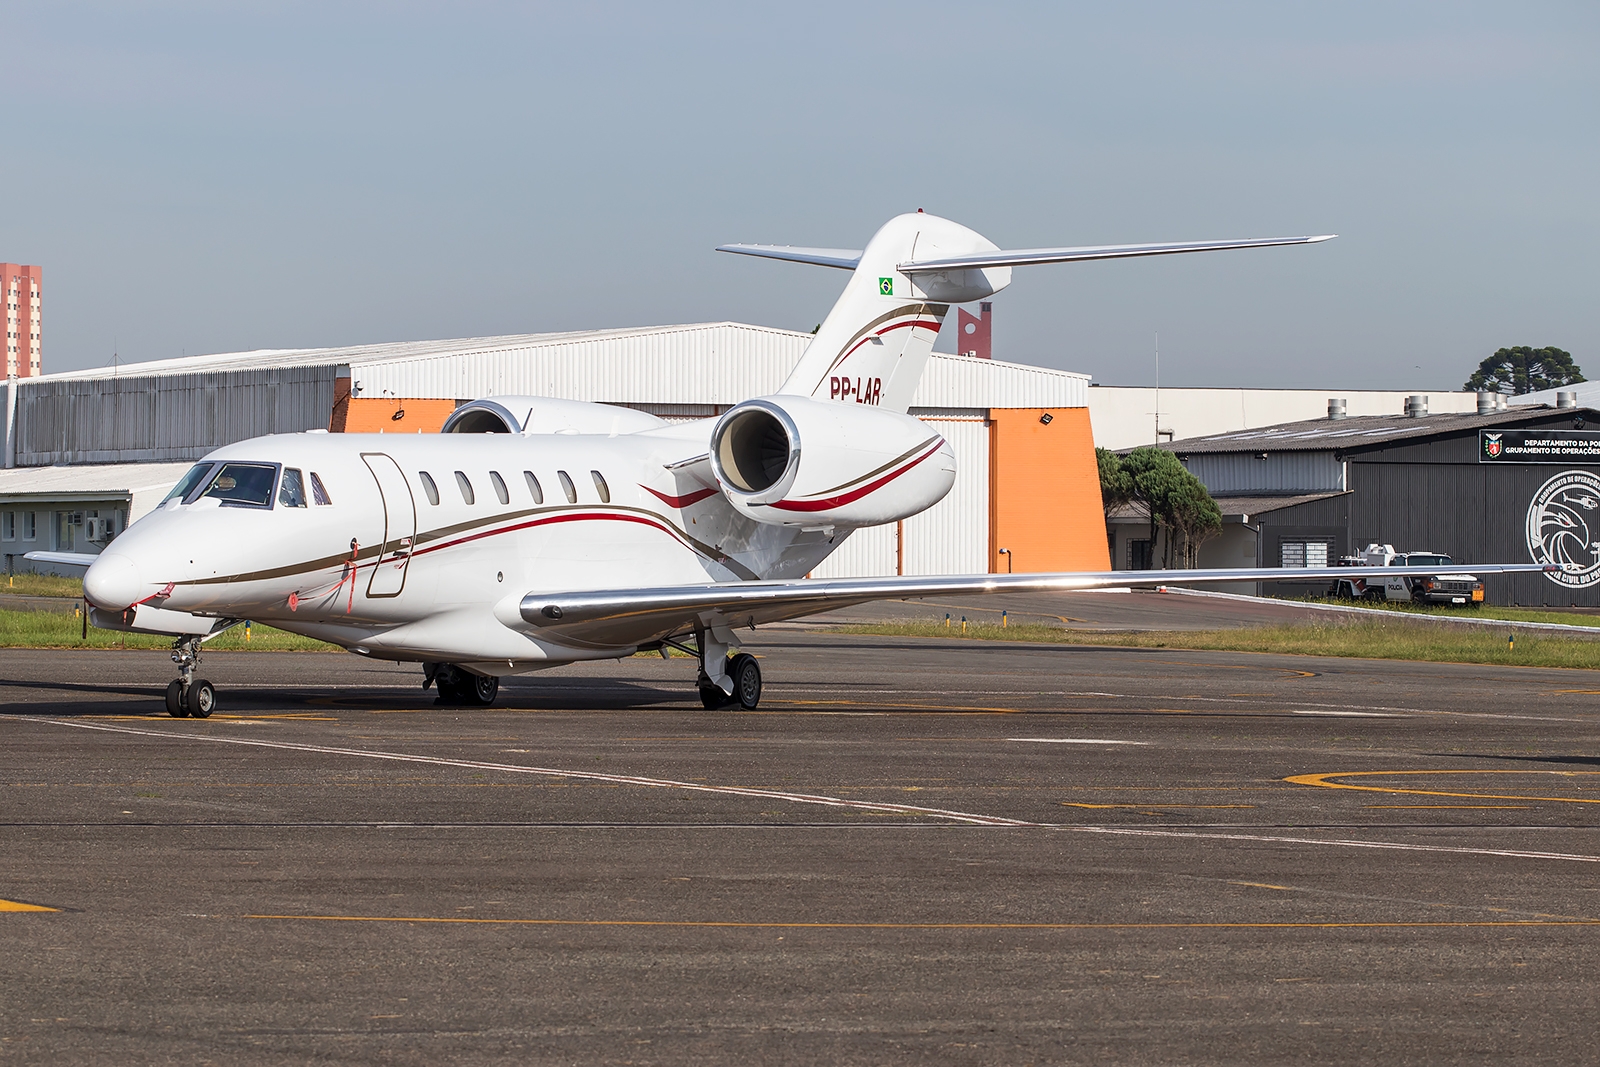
x: 543, y: 531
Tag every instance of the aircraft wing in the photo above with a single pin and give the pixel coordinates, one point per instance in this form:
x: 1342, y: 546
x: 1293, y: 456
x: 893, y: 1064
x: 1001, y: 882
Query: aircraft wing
x: 1024, y: 257
x: 618, y: 617
x: 69, y: 559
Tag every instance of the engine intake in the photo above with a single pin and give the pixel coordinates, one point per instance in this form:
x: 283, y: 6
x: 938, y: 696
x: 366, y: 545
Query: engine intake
x: 859, y: 466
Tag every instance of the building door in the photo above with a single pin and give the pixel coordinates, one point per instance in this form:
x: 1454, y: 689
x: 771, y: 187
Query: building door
x: 399, y: 526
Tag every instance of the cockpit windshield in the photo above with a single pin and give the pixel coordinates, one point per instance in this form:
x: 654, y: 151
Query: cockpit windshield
x: 189, y: 482
x: 244, y: 484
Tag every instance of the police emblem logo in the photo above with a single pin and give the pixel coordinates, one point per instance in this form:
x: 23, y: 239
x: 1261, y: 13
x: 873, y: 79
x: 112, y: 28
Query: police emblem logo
x: 1564, y: 528
x: 1492, y: 445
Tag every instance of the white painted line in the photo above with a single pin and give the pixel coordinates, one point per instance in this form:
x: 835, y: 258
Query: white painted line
x: 1351, y: 714
x: 1075, y: 741
x: 813, y: 798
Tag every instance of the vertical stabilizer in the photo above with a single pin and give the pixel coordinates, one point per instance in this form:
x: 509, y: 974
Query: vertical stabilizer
x: 876, y: 341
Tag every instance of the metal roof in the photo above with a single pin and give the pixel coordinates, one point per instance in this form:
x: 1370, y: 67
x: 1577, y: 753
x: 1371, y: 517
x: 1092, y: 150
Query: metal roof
x: 87, y: 480
x: 717, y: 363
x: 1361, y: 432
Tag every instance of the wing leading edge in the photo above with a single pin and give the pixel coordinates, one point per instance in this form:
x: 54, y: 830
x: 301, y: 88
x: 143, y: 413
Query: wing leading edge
x: 634, y: 616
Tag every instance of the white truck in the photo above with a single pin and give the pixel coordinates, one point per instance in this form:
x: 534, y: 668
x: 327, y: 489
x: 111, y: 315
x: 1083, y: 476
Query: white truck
x: 1446, y: 587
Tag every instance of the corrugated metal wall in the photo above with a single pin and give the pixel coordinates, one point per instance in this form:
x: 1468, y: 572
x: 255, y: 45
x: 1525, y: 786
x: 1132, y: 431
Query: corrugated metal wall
x: 1280, y: 472
x: 174, y: 417
x: 952, y: 537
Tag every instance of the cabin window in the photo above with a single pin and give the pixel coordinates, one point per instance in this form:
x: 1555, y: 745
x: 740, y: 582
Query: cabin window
x: 534, y: 487
x: 500, y: 489
x: 244, y: 485
x: 189, y: 483
x: 567, y: 487
x: 30, y: 525
x: 429, y: 488
x: 466, y: 488
x: 292, y: 490
x: 319, y: 494
x: 601, y: 487
x: 8, y: 526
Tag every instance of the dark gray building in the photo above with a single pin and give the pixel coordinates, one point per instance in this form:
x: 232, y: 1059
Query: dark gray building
x: 1510, y: 485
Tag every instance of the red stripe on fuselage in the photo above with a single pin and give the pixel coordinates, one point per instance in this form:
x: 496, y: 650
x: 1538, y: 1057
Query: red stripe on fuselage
x: 577, y: 517
x: 926, y: 325
x: 680, y: 502
x: 856, y: 494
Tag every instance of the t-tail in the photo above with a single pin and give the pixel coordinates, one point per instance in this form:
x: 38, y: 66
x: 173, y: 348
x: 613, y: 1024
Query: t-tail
x: 875, y: 343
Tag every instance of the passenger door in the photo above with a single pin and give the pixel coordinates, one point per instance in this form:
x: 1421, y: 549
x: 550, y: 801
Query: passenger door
x: 399, y: 526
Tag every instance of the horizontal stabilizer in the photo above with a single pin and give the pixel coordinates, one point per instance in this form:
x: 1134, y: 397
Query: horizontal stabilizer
x: 1026, y: 257
x: 68, y: 559
x: 843, y: 258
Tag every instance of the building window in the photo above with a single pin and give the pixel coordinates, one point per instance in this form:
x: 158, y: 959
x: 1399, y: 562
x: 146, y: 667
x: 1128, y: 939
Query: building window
x: 1139, y: 555
x: 466, y: 488
x: 534, y: 487
x: 567, y: 487
x: 8, y: 526
x: 500, y: 489
x: 1303, y: 553
x: 601, y: 487
x: 30, y: 526
x: 292, y: 490
x: 319, y: 494
x: 429, y: 488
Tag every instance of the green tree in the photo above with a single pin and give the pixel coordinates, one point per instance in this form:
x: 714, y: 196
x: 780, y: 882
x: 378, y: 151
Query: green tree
x: 1116, y: 486
x: 1176, y: 500
x: 1525, y: 370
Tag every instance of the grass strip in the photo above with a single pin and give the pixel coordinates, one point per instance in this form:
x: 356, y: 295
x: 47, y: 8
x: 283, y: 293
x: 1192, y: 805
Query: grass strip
x: 1361, y: 638
x: 41, y: 585
x: 62, y: 629
x: 1488, y: 611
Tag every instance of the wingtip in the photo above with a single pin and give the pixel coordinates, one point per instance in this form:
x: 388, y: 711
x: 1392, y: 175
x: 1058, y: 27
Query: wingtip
x: 1319, y: 239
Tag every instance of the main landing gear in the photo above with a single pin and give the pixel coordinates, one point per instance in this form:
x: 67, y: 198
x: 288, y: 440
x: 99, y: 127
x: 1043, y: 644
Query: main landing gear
x: 738, y: 676
x: 459, y: 688
x: 186, y: 694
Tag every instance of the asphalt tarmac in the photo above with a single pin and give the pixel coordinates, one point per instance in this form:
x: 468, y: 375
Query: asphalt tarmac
x: 915, y: 851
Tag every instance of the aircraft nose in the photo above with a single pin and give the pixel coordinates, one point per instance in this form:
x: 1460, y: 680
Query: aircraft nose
x: 112, y: 582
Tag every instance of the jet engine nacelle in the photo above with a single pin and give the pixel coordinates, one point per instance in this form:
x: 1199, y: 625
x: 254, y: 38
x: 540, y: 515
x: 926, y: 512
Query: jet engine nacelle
x: 794, y: 461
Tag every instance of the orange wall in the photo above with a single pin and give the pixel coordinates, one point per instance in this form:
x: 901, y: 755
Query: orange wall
x: 1044, y: 491
x: 375, y: 414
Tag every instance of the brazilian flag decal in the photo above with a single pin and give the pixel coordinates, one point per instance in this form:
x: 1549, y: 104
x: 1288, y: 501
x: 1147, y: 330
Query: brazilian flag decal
x: 886, y: 286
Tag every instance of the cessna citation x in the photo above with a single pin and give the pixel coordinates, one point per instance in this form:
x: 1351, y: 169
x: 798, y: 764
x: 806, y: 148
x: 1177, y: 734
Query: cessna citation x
x: 543, y: 531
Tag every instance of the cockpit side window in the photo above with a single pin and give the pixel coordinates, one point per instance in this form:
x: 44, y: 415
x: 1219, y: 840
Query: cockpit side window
x: 244, y: 485
x: 318, y: 493
x: 189, y: 482
x: 292, y: 490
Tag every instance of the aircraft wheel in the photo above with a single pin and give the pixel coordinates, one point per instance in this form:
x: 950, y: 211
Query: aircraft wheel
x: 712, y: 698
x: 175, y: 705
x: 746, y: 675
x: 481, y: 690
x: 201, y: 699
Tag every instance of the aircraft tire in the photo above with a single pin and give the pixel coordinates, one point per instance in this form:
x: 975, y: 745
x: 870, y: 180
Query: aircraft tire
x: 746, y: 675
x: 175, y: 705
x: 712, y: 698
x: 201, y: 699
x: 481, y: 689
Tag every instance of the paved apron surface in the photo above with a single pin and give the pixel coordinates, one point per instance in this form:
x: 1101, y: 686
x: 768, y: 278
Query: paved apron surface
x: 915, y: 851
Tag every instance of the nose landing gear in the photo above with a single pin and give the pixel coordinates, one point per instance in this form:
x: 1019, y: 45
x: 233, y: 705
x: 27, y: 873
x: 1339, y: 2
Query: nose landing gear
x: 186, y: 694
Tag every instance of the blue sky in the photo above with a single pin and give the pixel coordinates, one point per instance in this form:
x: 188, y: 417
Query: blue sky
x: 215, y: 177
